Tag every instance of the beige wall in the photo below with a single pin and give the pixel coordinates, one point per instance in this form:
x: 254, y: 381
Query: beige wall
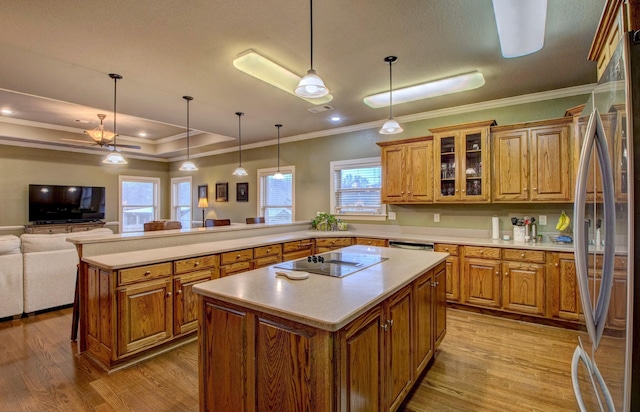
x: 21, y: 166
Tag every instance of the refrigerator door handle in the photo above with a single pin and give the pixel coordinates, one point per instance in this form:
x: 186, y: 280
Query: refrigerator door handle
x: 595, y: 317
x: 579, y: 355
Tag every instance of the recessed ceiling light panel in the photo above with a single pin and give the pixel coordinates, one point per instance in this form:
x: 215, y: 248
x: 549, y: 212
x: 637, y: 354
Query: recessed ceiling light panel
x: 6, y: 111
x: 463, y: 82
x: 521, y: 26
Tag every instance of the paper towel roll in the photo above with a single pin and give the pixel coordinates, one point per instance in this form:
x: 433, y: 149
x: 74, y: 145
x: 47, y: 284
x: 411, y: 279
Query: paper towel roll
x: 495, y: 227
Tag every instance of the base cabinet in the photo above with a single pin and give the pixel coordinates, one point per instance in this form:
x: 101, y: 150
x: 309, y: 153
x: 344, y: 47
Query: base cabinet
x: 368, y: 365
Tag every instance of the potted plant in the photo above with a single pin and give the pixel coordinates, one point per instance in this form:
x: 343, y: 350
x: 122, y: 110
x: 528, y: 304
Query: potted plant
x: 324, y: 222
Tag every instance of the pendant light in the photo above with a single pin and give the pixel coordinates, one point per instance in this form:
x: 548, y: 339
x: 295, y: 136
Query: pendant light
x: 115, y: 158
x: 188, y: 165
x: 391, y: 126
x: 278, y: 175
x: 240, y: 170
x: 311, y: 85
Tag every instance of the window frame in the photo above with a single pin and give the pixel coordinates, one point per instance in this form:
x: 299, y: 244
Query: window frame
x: 270, y: 171
x: 156, y: 197
x: 175, y: 181
x: 352, y: 164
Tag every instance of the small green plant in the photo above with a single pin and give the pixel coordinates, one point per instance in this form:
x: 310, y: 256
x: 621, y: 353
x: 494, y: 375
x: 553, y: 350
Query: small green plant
x: 324, y: 221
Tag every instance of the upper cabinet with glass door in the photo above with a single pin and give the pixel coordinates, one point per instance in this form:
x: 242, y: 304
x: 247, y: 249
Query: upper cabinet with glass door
x: 461, y: 162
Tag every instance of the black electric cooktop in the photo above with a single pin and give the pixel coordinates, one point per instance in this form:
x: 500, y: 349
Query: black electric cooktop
x: 336, y: 264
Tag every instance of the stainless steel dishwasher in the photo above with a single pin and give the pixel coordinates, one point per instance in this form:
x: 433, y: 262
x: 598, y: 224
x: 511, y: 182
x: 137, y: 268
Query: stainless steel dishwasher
x: 424, y: 246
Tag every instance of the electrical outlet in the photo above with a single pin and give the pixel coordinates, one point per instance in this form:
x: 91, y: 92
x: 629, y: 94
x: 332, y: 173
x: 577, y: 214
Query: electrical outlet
x: 436, y: 217
x: 542, y: 219
x: 391, y: 215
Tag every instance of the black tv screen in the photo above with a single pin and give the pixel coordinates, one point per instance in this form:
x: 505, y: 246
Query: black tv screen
x: 57, y: 204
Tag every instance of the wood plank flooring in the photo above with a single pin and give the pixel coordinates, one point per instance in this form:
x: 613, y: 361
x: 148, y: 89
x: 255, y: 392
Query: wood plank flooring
x: 484, y: 364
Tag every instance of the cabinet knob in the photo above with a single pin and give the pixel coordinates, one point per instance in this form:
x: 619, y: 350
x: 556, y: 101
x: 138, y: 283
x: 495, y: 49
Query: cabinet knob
x: 168, y: 294
x: 390, y: 322
x: 333, y: 242
x: 409, y: 191
x: 535, y: 188
x: 402, y: 192
x: 462, y: 190
x: 197, y: 263
x: 147, y: 273
x: 179, y: 292
x: 457, y: 190
x: 368, y: 243
x: 384, y: 326
x: 522, y: 255
x: 506, y: 273
x: 482, y: 252
x: 238, y: 257
x: 497, y: 273
x: 525, y: 189
x: 556, y: 265
x: 268, y: 250
x: 446, y: 249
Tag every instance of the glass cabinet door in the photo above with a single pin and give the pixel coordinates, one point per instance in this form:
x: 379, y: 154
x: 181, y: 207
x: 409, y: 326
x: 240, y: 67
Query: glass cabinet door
x: 472, y: 176
x: 448, y: 187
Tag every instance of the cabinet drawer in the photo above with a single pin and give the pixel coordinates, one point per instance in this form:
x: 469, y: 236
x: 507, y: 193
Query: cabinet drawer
x: 371, y: 242
x: 447, y: 248
x: 263, y: 251
x: 296, y: 255
x: 143, y: 273
x: 535, y: 256
x: 200, y: 262
x: 266, y: 261
x: 482, y: 252
x: 236, y: 256
x: 234, y: 268
x: 304, y: 244
x: 333, y: 242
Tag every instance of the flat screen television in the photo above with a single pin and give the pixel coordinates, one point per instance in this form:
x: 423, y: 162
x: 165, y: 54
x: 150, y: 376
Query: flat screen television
x: 65, y: 204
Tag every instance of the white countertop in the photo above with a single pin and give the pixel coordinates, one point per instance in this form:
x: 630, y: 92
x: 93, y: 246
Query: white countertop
x: 320, y: 301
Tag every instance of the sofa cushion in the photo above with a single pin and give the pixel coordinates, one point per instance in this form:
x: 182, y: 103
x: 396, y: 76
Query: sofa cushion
x: 33, y: 242
x: 9, y: 244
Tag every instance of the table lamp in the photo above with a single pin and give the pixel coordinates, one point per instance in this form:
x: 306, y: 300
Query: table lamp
x: 203, y: 203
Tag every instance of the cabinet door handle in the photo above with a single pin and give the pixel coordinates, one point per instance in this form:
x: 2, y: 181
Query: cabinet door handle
x: 384, y: 326
x: 390, y: 322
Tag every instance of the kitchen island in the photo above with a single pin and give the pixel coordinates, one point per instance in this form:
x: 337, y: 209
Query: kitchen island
x: 324, y: 343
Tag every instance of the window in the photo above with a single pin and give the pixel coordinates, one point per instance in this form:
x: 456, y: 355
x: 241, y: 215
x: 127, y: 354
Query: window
x: 138, y: 202
x: 181, y: 200
x: 356, y: 187
x: 276, y: 196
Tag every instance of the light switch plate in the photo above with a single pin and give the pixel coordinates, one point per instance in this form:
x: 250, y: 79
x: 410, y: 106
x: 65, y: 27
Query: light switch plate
x: 542, y: 219
x: 391, y: 215
x: 436, y: 217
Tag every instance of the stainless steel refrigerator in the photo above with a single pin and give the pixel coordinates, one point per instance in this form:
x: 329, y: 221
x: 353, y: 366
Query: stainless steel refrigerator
x: 606, y: 362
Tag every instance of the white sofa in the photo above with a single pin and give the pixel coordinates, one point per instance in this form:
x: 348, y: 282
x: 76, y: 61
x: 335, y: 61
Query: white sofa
x: 49, y: 268
x: 11, y: 289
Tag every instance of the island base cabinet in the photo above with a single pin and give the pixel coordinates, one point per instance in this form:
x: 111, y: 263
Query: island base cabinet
x: 253, y: 362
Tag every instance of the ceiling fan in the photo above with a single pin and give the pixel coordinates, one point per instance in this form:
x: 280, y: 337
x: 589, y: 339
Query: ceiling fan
x: 102, y: 137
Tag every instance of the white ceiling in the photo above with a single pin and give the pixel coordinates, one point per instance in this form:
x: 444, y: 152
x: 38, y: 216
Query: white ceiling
x: 56, y: 56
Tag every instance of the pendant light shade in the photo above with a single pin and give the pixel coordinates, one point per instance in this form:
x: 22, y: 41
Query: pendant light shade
x: 100, y: 134
x: 115, y: 158
x: 391, y: 126
x: 188, y: 165
x: 278, y: 175
x: 311, y: 86
x: 240, y: 170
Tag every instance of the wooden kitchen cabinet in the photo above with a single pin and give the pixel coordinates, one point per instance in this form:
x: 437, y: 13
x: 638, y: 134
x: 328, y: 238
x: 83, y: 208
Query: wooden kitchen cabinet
x: 327, y: 244
x: 371, y: 242
x: 523, y: 287
x: 297, y: 249
x: 267, y: 255
x: 452, y: 271
x: 145, y: 315
x: 185, y: 302
x: 461, y: 163
x: 439, y: 304
x: 407, y: 170
x: 236, y: 262
x: 481, y: 282
x: 533, y: 162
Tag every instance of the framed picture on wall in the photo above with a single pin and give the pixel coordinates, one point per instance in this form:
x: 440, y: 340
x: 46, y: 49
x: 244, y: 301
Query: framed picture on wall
x: 242, y: 192
x: 203, y: 192
x: 222, y: 190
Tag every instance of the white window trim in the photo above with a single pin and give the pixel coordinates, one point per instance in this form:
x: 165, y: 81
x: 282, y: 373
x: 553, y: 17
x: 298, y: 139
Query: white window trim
x: 340, y: 164
x: 175, y: 181
x: 156, y: 201
x: 272, y: 171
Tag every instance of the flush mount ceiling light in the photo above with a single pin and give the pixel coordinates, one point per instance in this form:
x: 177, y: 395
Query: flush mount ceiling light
x: 188, y: 165
x: 278, y: 175
x: 269, y: 72
x: 521, y: 26
x: 463, y: 82
x: 114, y: 158
x: 391, y: 126
x: 240, y: 170
x: 311, y: 85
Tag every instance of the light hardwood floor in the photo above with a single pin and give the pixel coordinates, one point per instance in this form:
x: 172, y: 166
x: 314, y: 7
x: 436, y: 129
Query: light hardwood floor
x: 484, y: 364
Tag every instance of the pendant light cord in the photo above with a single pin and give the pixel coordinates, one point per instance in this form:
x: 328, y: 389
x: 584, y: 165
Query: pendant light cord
x: 278, y: 126
x: 390, y: 90
x: 115, y: 78
x: 239, y: 136
x: 311, y: 25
